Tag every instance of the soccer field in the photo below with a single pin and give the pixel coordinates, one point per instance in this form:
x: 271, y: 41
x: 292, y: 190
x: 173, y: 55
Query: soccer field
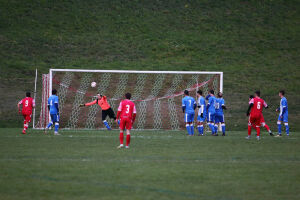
x: 159, y: 165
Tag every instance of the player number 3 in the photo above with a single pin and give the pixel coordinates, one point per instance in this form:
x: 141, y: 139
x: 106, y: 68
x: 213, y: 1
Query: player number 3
x: 127, y: 108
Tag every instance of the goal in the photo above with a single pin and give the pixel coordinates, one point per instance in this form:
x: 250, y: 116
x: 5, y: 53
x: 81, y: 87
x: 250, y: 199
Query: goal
x: 157, y: 95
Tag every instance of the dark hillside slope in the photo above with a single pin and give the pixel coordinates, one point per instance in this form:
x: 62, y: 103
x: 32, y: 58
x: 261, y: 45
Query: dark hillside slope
x: 255, y: 43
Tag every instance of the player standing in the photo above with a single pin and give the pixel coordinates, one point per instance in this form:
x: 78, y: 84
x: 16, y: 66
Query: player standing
x: 188, y: 107
x: 283, y: 114
x: 262, y: 120
x: 27, y: 104
x: 255, y: 105
x: 106, y: 109
x: 54, y: 112
x: 201, y: 112
x: 211, y: 111
x: 127, y: 114
x: 219, y: 118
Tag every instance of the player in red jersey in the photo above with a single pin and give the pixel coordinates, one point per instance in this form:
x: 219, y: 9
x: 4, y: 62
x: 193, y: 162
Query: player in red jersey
x: 262, y: 120
x: 256, y: 106
x: 27, y: 104
x: 127, y: 114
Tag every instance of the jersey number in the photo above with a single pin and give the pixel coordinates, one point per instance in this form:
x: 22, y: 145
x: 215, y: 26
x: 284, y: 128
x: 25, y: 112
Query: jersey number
x: 258, y: 105
x: 190, y: 102
x: 26, y: 103
x: 217, y: 106
x: 51, y: 103
x: 127, y: 109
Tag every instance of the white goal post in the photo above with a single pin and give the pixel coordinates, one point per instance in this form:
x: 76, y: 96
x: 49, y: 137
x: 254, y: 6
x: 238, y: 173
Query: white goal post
x: 157, y: 95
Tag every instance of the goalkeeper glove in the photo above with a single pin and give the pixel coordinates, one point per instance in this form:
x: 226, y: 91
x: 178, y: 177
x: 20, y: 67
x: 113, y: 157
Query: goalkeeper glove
x: 81, y: 105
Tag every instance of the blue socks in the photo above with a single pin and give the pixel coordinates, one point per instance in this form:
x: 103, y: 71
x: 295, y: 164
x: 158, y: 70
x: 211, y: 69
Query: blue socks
x: 188, y: 129
x: 287, y: 128
x: 192, y: 129
x: 223, y: 129
x: 279, y: 128
x: 106, y: 124
x: 216, y: 128
x: 49, y: 125
x: 212, y: 128
x: 200, y: 129
x: 56, y: 126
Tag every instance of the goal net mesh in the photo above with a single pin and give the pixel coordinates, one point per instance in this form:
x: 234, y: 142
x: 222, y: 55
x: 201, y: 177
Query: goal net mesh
x: 157, y: 97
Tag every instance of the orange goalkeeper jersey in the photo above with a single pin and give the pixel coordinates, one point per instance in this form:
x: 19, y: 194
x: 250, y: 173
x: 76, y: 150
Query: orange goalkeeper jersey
x: 101, y: 102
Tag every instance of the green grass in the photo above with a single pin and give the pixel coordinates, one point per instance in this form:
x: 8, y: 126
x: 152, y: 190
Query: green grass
x: 255, y: 43
x: 159, y: 165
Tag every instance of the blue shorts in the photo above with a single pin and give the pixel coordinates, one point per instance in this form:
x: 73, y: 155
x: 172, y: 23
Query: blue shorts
x: 219, y: 118
x: 201, y: 119
x: 211, y: 117
x: 54, y: 117
x: 284, y: 118
x: 189, y: 117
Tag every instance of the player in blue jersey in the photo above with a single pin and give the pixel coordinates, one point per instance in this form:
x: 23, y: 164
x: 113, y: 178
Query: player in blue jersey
x: 201, y: 112
x: 211, y: 111
x: 219, y: 117
x: 188, y: 107
x: 54, y: 112
x: 283, y: 114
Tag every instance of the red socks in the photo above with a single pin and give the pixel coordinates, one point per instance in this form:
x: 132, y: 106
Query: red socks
x: 127, y: 140
x: 258, y: 131
x: 249, y: 130
x: 121, y: 138
x: 25, y: 126
x: 267, y: 127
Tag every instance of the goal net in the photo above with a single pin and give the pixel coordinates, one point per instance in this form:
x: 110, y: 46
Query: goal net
x: 156, y: 94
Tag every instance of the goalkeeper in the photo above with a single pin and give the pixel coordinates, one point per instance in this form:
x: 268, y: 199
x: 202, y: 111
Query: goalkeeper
x: 106, y: 109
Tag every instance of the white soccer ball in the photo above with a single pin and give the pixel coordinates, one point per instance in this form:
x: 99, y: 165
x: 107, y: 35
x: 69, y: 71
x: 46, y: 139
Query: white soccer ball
x: 93, y: 84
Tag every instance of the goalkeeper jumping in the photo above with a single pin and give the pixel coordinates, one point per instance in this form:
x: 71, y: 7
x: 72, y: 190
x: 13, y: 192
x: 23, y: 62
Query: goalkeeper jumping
x: 106, y: 109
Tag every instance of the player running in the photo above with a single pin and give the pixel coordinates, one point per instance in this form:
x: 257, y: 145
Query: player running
x: 262, y: 120
x: 27, y: 104
x: 255, y: 105
x: 54, y: 112
x: 211, y: 111
x: 106, y: 109
x: 188, y: 107
x: 127, y: 114
x: 201, y: 112
x: 219, y: 117
x: 283, y: 114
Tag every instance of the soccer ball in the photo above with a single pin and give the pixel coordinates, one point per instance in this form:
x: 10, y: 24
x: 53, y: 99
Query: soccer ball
x: 93, y: 84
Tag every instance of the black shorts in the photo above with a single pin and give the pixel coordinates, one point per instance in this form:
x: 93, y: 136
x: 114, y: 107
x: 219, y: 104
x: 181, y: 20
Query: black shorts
x: 108, y: 112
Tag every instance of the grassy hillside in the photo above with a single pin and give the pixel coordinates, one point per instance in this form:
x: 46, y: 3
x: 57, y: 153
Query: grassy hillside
x: 255, y: 43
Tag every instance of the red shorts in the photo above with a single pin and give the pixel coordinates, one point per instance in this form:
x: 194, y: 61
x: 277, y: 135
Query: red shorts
x: 125, y: 123
x: 255, y: 121
x: 27, y: 118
